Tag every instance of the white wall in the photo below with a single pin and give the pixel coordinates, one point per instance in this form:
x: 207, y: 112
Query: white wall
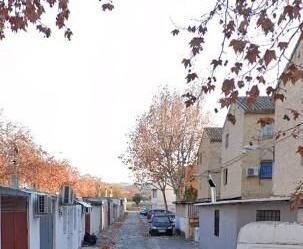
x: 95, y: 217
x: 103, y: 217
x: 69, y: 227
x: 270, y: 235
x: 182, y: 224
x: 232, y: 218
x: 34, y: 225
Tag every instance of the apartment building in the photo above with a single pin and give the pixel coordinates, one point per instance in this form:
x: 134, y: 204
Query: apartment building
x: 246, y: 178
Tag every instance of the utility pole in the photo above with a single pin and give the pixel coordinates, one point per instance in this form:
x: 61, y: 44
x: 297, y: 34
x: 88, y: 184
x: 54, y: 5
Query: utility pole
x: 14, y: 177
x: 111, y: 192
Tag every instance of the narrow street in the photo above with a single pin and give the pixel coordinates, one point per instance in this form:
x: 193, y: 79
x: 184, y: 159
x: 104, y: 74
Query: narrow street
x: 133, y: 234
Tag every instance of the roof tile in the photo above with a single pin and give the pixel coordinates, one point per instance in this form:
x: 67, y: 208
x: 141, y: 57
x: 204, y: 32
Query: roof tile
x: 263, y: 104
x: 214, y: 133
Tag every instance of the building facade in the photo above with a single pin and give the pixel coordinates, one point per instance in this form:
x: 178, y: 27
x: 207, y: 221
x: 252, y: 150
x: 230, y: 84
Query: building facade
x: 249, y: 173
x: 247, y: 151
x: 209, y: 161
x: 220, y: 223
x: 157, y: 199
x: 289, y: 169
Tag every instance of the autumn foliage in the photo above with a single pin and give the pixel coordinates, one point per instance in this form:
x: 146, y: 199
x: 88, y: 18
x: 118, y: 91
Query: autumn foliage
x: 255, y: 42
x: 34, y: 168
x: 165, y: 141
x: 18, y: 15
x: 246, y: 48
x: 254, y: 45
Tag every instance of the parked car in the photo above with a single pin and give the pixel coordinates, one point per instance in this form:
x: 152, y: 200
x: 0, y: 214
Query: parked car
x: 154, y: 211
x: 160, y: 224
x: 144, y: 211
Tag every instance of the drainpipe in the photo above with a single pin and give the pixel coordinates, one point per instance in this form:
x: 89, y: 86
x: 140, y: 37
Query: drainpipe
x: 213, y: 192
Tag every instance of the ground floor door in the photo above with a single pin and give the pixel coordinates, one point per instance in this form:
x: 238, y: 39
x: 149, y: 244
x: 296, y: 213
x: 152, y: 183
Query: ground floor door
x: 108, y: 215
x: 47, y: 231
x: 87, y: 223
x: 14, y: 232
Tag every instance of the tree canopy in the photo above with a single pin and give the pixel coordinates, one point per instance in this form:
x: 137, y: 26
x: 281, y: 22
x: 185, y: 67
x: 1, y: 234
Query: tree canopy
x: 251, y: 47
x: 165, y: 141
x: 245, y: 47
x: 17, y: 15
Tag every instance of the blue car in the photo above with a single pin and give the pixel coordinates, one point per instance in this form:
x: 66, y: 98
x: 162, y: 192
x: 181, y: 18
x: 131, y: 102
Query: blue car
x: 161, y: 224
x: 143, y: 211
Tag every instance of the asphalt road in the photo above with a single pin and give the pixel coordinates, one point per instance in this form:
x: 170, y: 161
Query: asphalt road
x: 133, y: 234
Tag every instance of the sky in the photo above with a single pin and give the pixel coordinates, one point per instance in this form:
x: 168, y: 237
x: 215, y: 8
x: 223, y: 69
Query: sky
x: 81, y: 98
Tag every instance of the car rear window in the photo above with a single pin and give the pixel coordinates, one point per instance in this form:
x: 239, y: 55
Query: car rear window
x: 161, y: 219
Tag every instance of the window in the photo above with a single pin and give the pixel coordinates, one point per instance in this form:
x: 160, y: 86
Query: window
x: 268, y: 215
x: 268, y: 131
x: 225, y: 176
x: 266, y: 170
x: 226, y: 140
x: 154, y: 193
x: 217, y: 223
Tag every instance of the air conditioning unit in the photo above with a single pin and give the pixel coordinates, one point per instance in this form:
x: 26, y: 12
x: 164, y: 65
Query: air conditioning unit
x: 252, y: 171
x: 67, y: 195
x: 43, y: 205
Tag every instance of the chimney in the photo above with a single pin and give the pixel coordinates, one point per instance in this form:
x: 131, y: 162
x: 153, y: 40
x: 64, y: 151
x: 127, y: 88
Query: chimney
x: 213, y: 192
x: 14, y: 176
x: 14, y: 153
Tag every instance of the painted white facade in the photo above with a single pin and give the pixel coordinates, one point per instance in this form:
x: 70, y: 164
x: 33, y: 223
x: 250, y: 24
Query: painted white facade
x: 105, y: 211
x: 104, y: 216
x: 182, y: 224
x: 157, y: 199
x: 187, y: 217
x: 69, y: 227
x: 68, y: 220
x: 34, y: 224
x: 95, y: 220
x: 271, y: 235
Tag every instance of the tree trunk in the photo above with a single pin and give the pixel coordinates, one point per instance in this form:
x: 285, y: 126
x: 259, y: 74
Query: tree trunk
x: 164, y: 198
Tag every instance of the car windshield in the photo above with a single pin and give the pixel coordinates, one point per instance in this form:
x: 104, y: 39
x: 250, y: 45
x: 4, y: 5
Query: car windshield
x: 161, y: 219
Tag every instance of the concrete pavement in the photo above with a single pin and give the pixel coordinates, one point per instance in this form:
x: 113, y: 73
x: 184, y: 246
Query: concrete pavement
x: 132, y: 233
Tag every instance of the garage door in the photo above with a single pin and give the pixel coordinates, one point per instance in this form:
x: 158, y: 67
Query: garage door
x: 14, y: 233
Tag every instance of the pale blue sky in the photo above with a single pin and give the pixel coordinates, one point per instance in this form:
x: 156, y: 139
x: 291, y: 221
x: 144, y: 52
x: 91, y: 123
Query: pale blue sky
x: 80, y: 98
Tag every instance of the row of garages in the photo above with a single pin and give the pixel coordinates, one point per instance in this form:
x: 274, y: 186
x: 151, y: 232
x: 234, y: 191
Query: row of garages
x: 33, y: 220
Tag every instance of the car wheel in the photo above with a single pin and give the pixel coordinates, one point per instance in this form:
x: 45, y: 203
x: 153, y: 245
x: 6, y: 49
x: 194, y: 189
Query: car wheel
x: 170, y: 232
